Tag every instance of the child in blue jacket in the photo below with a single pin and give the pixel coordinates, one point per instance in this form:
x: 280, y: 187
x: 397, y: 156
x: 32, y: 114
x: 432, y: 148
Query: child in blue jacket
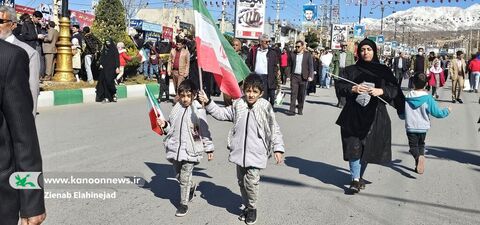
x: 419, y: 104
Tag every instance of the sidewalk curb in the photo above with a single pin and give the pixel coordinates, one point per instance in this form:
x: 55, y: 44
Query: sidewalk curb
x: 87, y: 95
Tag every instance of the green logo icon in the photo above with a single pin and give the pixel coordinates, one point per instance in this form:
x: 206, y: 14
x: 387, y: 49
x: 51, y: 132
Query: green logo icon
x: 22, y: 182
x: 26, y: 180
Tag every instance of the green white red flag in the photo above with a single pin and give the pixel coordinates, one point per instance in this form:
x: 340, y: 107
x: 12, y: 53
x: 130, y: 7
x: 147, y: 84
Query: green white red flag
x: 215, y: 54
x: 154, y: 111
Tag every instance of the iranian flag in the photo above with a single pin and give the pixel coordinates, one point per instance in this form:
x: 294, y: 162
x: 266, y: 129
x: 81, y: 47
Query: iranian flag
x: 153, y: 111
x: 216, y: 55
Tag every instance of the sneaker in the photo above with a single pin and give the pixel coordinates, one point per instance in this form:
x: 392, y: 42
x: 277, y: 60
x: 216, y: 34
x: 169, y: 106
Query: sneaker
x: 436, y: 96
x: 191, y: 195
x: 355, y: 186
x: 243, y: 215
x: 251, y: 217
x: 421, y: 164
x: 181, y: 211
x: 362, y: 184
x: 460, y: 101
x: 453, y: 101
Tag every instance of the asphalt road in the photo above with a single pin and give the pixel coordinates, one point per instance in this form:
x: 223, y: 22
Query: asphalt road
x: 309, y: 188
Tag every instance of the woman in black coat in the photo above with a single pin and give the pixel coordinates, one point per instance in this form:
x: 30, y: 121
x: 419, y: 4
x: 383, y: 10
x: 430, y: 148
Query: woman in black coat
x: 364, y: 121
x: 109, y: 67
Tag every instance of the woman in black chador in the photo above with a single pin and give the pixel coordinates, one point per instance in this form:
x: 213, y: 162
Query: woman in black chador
x: 109, y: 66
x: 364, y: 121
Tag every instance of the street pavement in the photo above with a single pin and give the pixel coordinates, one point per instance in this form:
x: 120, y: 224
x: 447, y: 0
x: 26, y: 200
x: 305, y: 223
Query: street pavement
x: 309, y: 188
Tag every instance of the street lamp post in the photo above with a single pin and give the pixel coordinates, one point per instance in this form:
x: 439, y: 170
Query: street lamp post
x: 382, y: 10
x: 64, y: 70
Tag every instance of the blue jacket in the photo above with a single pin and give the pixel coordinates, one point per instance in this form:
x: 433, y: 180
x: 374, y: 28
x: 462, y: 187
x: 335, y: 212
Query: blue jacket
x: 418, y: 106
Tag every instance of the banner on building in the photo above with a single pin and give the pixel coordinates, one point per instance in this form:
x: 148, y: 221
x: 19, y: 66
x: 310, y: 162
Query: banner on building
x: 359, y: 31
x: 82, y: 19
x: 249, y: 18
x: 339, y: 35
x: 20, y: 9
x: 387, y: 49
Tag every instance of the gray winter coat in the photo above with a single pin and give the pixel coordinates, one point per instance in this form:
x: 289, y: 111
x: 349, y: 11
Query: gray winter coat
x: 255, y: 133
x: 187, y: 133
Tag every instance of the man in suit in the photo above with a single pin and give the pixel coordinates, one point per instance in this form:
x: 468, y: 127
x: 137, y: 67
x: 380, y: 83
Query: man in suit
x: 6, y: 29
x: 302, y: 72
x: 19, y: 148
x: 50, y: 49
x: 458, y: 72
x: 179, y: 63
x: 265, y: 61
x: 33, y: 34
x: 400, y: 67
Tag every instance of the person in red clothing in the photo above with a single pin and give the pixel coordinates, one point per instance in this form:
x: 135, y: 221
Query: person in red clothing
x: 284, y: 65
x: 436, y: 78
x: 124, y: 57
x: 474, y: 68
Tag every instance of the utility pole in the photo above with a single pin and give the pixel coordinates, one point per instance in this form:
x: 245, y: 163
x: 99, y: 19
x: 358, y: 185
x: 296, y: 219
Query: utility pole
x: 360, y: 13
x: 478, y: 40
x: 278, y: 6
x: 222, y: 25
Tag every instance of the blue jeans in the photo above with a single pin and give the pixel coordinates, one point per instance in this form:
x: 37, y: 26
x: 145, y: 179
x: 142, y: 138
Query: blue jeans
x: 357, y: 168
x: 153, y: 70
x: 475, y: 79
x: 325, y: 79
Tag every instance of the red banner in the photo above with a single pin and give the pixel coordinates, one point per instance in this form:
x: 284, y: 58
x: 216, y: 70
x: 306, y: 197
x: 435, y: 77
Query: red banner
x: 167, y: 33
x: 23, y: 9
x: 81, y: 18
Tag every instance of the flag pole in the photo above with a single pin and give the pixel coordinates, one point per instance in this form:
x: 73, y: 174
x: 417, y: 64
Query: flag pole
x: 351, y: 82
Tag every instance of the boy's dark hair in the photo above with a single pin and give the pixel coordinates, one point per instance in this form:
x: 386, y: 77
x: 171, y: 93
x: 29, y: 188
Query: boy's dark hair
x: 76, y: 26
x: 419, y: 80
x: 253, y: 81
x: 86, y: 30
x: 188, y: 86
x: 459, y: 53
x: 38, y: 14
x: 51, y: 24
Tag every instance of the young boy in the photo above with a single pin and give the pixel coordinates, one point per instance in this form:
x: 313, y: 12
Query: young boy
x: 187, y: 138
x: 255, y: 134
x: 418, y: 106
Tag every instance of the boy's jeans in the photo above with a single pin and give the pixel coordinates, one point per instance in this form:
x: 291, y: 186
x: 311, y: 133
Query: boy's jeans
x: 357, y: 168
x: 249, y: 180
x: 153, y: 70
x: 325, y: 77
x: 183, y: 172
x: 416, y: 141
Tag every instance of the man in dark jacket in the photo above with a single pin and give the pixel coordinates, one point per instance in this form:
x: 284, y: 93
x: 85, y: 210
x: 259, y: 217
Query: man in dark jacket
x: 19, y: 149
x: 92, y: 47
x: 264, y: 61
x: 302, y: 72
x: 400, y: 67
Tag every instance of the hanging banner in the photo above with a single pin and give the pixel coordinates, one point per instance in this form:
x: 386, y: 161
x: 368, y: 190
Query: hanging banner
x: 249, y: 18
x: 81, y: 19
x: 20, y: 9
x: 387, y: 49
x: 309, y: 14
x: 359, y: 31
x: 339, y: 35
x: 380, y: 39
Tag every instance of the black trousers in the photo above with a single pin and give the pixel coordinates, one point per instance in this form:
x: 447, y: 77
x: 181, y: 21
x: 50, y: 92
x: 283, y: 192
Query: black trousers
x: 268, y: 91
x: 341, y: 100
x: 298, y: 86
x: 399, y: 76
x: 416, y: 141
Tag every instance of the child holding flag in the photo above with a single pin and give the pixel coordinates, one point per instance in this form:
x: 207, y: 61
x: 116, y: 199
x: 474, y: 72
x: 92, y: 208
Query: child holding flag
x: 187, y: 138
x: 254, y: 136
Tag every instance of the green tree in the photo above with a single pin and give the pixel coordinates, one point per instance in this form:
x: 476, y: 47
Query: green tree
x: 110, y: 22
x: 312, y: 40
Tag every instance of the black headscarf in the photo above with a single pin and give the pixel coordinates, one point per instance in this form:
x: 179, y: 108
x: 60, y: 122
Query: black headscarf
x: 376, y: 69
x: 110, y: 56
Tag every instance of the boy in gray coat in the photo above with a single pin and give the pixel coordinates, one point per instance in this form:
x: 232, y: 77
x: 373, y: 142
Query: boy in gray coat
x: 254, y: 136
x: 187, y: 138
